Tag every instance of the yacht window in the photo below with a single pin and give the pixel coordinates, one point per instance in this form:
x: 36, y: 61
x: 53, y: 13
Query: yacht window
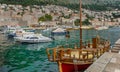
x: 34, y: 38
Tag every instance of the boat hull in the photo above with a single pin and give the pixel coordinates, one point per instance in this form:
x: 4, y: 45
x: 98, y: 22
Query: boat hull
x: 33, y: 41
x: 22, y: 40
x: 11, y: 35
x: 66, y: 67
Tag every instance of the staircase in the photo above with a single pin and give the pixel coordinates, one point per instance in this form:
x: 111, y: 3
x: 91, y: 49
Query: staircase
x: 116, y: 47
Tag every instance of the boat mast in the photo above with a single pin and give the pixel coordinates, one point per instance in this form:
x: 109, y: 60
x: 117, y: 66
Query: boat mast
x: 80, y: 24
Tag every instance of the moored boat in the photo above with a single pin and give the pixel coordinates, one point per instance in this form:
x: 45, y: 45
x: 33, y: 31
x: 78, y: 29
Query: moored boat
x: 79, y: 57
x: 11, y: 31
x: 32, y: 38
x: 101, y: 28
x: 72, y: 59
x: 59, y: 31
x: 87, y: 27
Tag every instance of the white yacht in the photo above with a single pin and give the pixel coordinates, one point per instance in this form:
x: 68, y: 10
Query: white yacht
x: 32, y: 38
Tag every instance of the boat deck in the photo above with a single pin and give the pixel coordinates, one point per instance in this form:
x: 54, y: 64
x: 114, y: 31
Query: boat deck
x: 108, y: 62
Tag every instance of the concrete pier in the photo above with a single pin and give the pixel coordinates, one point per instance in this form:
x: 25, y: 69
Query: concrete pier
x: 108, y: 62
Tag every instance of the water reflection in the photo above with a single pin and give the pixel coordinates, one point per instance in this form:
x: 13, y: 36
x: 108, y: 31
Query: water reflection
x: 37, y: 47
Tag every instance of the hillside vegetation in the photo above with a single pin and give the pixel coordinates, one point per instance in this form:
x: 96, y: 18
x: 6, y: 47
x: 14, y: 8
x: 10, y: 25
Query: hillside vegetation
x: 98, y: 5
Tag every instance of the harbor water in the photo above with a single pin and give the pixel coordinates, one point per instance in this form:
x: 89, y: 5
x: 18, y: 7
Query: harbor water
x: 33, y: 58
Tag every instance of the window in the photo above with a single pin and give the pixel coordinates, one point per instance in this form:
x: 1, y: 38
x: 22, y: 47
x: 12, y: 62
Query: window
x: 34, y: 38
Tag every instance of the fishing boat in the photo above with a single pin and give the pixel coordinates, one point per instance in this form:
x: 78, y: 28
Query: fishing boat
x: 79, y: 57
x: 32, y: 38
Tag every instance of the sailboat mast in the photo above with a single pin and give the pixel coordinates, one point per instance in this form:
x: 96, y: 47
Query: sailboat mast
x: 80, y: 24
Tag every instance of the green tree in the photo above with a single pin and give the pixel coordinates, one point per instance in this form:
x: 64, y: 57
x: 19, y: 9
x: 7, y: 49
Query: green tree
x: 77, y: 22
x: 41, y: 19
x: 48, y: 17
x: 86, y: 22
x: 89, y: 17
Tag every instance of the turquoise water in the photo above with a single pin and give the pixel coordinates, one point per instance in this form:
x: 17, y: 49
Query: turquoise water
x: 33, y: 58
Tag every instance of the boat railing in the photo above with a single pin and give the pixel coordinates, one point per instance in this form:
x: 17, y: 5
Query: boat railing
x: 87, y: 53
x: 68, y: 54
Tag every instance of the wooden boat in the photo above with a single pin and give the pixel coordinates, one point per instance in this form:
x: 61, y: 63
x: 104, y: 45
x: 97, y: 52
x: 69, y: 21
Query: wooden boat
x: 78, y: 59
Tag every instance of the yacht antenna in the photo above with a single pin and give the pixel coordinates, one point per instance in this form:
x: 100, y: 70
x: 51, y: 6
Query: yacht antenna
x: 80, y: 24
